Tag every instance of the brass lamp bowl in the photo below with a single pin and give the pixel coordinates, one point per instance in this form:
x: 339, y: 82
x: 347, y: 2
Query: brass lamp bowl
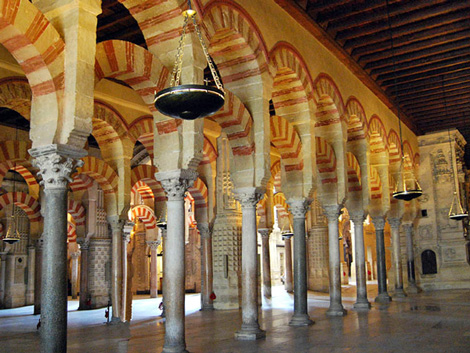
x: 189, y: 102
x: 407, y: 195
x: 458, y: 216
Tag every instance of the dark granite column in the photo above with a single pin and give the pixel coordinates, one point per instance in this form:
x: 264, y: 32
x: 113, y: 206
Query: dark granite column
x: 84, y: 246
x: 288, y: 253
x: 38, y: 276
x: 359, y: 258
x: 55, y: 163
x: 336, y: 306
x: 266, y: 261
x: 175, y: 183
x: 116, y: 268
x: 206, y: 266
x: 383, y: 297
x: 298, y: 208
x: 412, y: 287
x: 153, y: 245
x: 3, y: 273
x: 250, y: 330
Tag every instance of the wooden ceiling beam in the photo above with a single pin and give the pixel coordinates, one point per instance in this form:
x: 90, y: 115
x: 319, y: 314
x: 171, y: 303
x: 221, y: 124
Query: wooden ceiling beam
x: 425, y: 117
x: 451, y: 102
x: 444, y: 125
x: 431, y: 12
x: 314, y: 7
x: 434, y: 94
x: 347, y: 10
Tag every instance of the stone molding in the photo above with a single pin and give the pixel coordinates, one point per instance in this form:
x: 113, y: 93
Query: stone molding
x: 249, y: 197
x: 299, y: 207
x: 176, y: 182
x: 56, y: 163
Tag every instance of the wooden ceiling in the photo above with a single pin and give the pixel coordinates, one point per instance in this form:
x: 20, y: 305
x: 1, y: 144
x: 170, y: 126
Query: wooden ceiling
x: 426, y: 72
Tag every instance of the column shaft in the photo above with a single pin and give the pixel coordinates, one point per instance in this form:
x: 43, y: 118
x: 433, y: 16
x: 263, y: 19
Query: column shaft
x: 3, y: 272
x: 74, y: 278
x: 83, y: 275
x: 38, y: 278
x: 153, y: 272
x: 124, y: 242
x: 395, y: 227
x: 31, y: 273
x: 359, y: 257
x: 288, y: 253
x: 412, y: 287
x: 266, y: 261
x: 383, y: 296
x: 116, y: 269
x: 206, y: 268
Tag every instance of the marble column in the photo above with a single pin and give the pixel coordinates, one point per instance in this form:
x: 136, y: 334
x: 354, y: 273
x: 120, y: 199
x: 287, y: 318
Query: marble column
x: 382, y: 297
x: 395, y: 229
x: 84, y: 246
x: 116, y: 268
x: 9, y: 281
x: 38, y: 277
x: 266, y: 261
x: 288, y: 284
x: 336, y: 306
x: 298, y: 208
x: 206, y: 268
x: 410, y: 259
x: 360, y: 259
x: 175, y: 183
x: 250, y: 329
x: 3, y: 257
x: 153, y: 245
x: 125, y: 305
x: 75, y: 256
x: 163, y: 270
x: 31, y: 272
x: 55, y: 163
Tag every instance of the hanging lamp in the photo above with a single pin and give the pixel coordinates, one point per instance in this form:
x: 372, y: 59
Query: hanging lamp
x: 190, y: 101
x: 401, y: 191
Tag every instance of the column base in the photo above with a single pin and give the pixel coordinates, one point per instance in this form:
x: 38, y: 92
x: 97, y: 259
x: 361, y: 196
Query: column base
x: 250, y: 333
x: 301, y: 320
x: 413, y: 289
x: 399, y: 293
x: 362, y: 305
x: 175, y: 349
x: 207, y: 307
x: 383, y: 298
x: 336, y: 310
x: 115, y: 320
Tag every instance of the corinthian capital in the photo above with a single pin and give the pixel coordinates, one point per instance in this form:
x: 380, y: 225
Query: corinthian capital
x: 56, y: 163
x: 249, y: 197
x: 332, y: 212
x: 379, y: 223
x: 299, y: 207
x: 176, y: 182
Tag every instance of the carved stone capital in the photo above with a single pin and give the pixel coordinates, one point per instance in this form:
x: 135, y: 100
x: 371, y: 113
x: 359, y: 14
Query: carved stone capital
x: 153, y: 245
x: 249, y: 197
x: 176, y: 182
x: 408, y: 227
x: 379, y: 223
x: 116, y: 224
x: 332, y: 212
x: 265, y: 232
x: 299, y: 207
x: 204, y: 230
x: 75, y: 255
x: 357, y: 217
x: 56, y: 163
x: 84, y: 244
x: 126, y: 231
x: 394, y: 222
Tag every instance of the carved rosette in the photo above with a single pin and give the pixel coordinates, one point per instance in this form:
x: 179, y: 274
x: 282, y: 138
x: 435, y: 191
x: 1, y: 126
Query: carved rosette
x: 204, y: 230
x: 299, y: 207
x: 332, y: 212
x: 379, y: 223
x: 394, y: 222
x: 249, y: 197
x: 176, y: 183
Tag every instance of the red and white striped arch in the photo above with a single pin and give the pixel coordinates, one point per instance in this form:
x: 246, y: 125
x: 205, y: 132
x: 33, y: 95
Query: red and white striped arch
x: 133, y: 65
x: 375, y: 184
x: 77, y: 211
x: 209, y: 152
x: 145, y: 214
x: 287, y: 141
x: 15, y: 151
x: 276, y: 174
x: 81, y: 182
x: 15, y: 94
x: 71, y: 233
x: 199, y: 192
x: 394, y: 148
x: 39, y: 49
x: 236, y: 122
x: 106, y: 113
x: 323, y: 86
x: 143, y: 190
x: 1, y: 229
x: 26, y: 202
x: 326, y: 162
x: 408, y: 154
x: 357, y: 121
x: 236, y: 44
x: 101, y: 172
x: 378, y: 135
x: 146, y: 174
x: 19, y: 166
x: 280, y: 203
x: 354, y: 174
x: 141, y: 130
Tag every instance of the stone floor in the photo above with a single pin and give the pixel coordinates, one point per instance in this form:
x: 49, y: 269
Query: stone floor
x: 427, y: 322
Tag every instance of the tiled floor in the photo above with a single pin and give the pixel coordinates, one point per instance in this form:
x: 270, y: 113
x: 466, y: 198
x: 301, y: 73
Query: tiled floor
x: 427, y: 322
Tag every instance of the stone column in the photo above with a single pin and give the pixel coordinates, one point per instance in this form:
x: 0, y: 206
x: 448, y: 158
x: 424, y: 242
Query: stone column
x: 288, y: 252
x: 395, y: 228
x: 336, y: 306
x: 153, y: 245
x: 55, y: 163
x: 163, y: 269
x: 206, y: 268
x: 298, y: 208
x: 31, y: 273
x: 250, y: 330
x: 359, y: 258
x: 38, y: 277
x: 410, y: 259
x: 126, y: 238
x: 75, y: 256
x: 9, y: 281
x: 3, y: 256
x: 84, y: 246
x: 266, y: 261
x: 383, y: 297
x: 116, y: 267
x: 175, y: 183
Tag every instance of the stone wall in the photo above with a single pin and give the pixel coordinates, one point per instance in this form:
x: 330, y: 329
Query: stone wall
x: 99, y: 274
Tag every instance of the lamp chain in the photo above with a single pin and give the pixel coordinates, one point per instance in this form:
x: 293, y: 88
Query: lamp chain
x: 176, y: 74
